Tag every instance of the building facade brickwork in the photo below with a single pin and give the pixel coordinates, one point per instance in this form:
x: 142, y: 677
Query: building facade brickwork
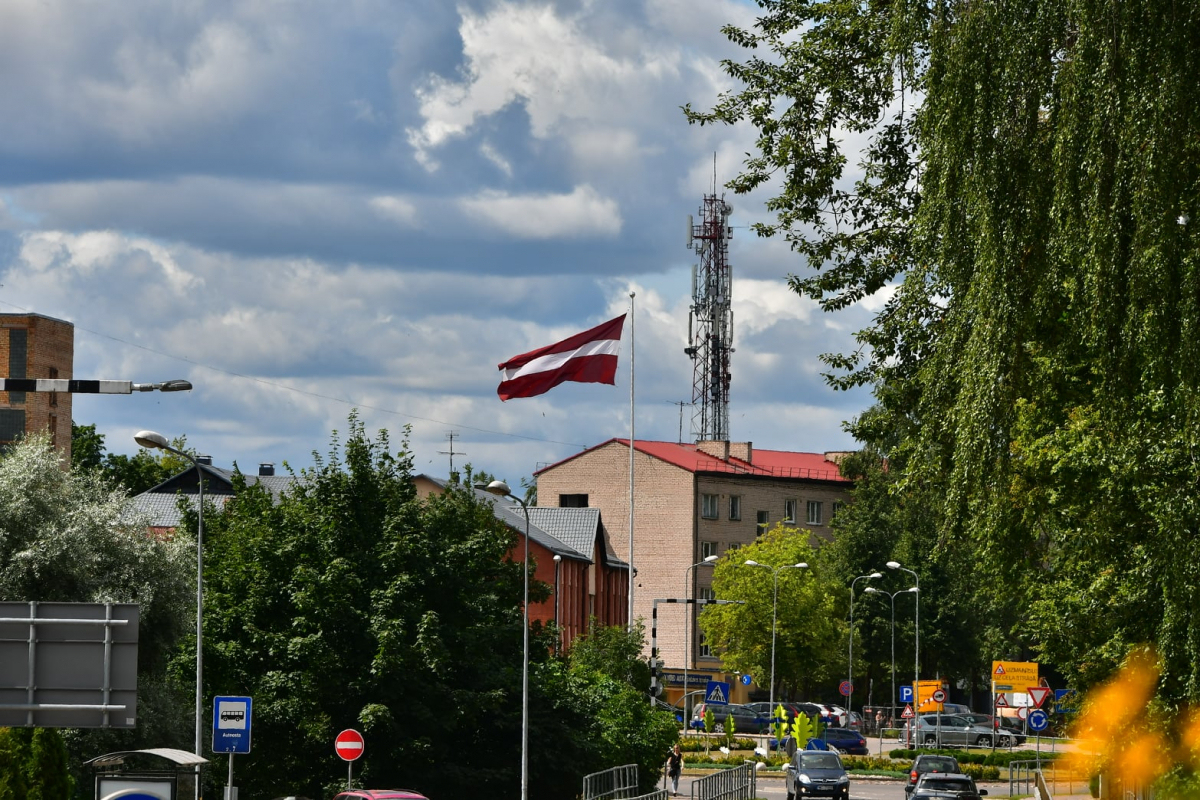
x: 36, y: 346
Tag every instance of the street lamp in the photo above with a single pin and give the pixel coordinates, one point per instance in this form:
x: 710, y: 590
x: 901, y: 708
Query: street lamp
x: 774, y: 602
x: 850, y: 654
x: 892, y: 597
x: 151, y: 440
x: 917, y: 635
x: 687, y: 630
x: 501, y: 489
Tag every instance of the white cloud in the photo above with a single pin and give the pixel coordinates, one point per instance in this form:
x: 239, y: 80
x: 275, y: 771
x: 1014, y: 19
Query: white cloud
x: 581, y: 214
x: 396, y: 209
x: 568, y: 81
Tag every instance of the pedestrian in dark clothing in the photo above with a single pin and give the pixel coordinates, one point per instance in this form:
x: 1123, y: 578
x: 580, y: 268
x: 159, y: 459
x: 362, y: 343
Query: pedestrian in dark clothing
x: 674, y: 768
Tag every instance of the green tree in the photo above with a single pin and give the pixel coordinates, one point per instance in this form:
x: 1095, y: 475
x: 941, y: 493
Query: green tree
x: 809, y: 633
x: 1028, y: 197
x: 67, y: 537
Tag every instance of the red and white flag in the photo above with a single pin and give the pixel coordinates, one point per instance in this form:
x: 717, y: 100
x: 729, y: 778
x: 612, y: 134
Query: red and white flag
x: 588, y: 357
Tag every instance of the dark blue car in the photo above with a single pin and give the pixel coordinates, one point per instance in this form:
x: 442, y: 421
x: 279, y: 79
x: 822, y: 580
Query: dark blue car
x: 843, y: 740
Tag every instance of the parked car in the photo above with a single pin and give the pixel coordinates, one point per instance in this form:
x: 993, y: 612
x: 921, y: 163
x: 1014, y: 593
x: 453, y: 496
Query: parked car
x: 816, y: 773
x: 845, y: 740
x: 826, y: 714
x: 1009, y: 727
x: 764, y: 709
x: 745, y: 719
x: 946, y: 784
x: 926, y: 763
x: 950, y: 731
x: 379, y: 794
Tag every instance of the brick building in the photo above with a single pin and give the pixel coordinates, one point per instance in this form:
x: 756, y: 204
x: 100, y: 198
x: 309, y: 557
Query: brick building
x: 36, y: 346
x: 588, y: 579
x: 692, y: 501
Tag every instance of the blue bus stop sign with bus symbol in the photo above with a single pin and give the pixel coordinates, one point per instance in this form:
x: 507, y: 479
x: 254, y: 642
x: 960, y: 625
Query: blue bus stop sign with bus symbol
x: 231, y: 724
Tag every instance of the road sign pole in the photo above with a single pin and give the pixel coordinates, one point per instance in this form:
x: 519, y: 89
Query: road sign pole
x: 349, y: 775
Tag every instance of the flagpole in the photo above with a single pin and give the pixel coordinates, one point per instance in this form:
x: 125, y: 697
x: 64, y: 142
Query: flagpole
x: 632, y: 340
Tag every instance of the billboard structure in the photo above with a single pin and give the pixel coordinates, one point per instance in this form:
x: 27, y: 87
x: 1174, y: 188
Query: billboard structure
x: 68, y: 665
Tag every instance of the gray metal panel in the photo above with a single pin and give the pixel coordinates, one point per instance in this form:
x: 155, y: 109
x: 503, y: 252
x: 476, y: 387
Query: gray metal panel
x: 82, y: 658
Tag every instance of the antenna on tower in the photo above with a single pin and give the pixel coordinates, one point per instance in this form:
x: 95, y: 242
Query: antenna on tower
x: 681, y: 404
x: 710, y: 322
x: 451, y: 452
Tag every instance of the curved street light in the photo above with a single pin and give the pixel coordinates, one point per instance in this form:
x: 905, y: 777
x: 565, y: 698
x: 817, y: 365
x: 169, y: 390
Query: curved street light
x: 687, y: 632
x: 500, y: 488
x: 850, y: 654
x: 917, y: 636
x: 774, y: 603
x: 151, y: 441
x: 891, y: 597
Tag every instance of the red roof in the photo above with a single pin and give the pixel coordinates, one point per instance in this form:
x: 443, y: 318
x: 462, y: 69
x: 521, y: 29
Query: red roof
x: 766, y: 463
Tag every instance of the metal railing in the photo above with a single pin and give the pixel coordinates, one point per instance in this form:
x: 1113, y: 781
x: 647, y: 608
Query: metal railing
x: 737, y: 783
x: 1056, y: 779
x: 617, y: 783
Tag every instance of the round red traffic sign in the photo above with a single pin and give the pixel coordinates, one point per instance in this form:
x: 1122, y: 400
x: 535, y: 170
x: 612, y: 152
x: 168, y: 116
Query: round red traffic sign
x: 349, y: 745
x: 939, y: 696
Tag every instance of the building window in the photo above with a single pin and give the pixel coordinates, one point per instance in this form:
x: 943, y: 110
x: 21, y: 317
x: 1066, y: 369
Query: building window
x: 54, y: 430
x: 838, y: 505
x: 789, y: 511
x: 707, y: 549
x: 705, y: 593
x: 705, y: 650
x: 814, y: 512
x: 18, y: 348
x: 12, y: 424
x: 735, y: 507
x: 572, y: 501
x: 708, y: 506
x: 764, y: 519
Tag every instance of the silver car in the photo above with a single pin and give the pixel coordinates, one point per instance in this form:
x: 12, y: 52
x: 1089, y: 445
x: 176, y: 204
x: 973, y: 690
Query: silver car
x: 949, y: 730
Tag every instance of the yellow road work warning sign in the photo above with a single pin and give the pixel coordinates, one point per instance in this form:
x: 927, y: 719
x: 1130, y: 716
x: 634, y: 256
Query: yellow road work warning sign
x: 1009, y: 676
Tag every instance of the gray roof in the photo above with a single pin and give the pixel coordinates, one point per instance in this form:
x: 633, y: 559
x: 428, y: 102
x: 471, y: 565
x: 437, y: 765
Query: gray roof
x: 160, y: 505
x: 511, y: 514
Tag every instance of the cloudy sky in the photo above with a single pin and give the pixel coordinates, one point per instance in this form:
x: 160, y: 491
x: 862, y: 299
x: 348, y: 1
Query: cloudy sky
x: 306, y: 208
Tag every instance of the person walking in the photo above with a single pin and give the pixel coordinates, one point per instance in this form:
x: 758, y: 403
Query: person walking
x: 674, y: 768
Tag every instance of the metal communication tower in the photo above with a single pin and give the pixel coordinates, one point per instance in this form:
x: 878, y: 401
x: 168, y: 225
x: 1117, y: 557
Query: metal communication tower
x: 710, y: 323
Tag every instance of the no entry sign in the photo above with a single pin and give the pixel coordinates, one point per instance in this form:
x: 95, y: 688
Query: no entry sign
x: 349, y: 745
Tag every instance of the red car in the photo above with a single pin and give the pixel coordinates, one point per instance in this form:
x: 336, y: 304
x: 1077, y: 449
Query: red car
x: 380, y: 794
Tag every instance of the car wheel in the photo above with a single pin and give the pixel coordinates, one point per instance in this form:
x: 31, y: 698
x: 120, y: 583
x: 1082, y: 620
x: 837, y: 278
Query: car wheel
x: 719, y: 727
x: 1004, y: 741
x: 930, y: 740
x: 983, y: 741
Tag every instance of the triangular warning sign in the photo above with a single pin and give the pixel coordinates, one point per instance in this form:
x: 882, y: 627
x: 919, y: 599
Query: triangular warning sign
x: 1038, y: 695
x: 999, y: 670
x: 1001, y: 701
x: 716, y: 696
x: 908, y: 713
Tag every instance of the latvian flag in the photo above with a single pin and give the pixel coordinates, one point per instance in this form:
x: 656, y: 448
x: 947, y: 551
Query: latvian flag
x: 588, y: 357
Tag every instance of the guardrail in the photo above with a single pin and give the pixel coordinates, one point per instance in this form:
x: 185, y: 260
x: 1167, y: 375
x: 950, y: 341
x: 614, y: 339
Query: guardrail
x: 736, y: 783
x: 1057, y: 780
x: 617, y: 783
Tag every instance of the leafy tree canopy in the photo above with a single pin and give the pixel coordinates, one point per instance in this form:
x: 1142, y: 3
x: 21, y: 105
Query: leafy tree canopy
x: 1026, y: 206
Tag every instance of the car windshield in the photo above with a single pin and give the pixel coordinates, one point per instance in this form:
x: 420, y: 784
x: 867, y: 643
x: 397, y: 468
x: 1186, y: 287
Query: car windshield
x: 817, y: 760
x: 937, y: 764
x: 947, y: 785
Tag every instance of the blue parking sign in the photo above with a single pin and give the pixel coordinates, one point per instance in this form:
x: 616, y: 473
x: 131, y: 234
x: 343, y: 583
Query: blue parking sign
x: 906, y: 694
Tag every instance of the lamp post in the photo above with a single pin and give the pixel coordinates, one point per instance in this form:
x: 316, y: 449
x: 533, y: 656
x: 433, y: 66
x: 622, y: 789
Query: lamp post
x: 151, y: 440
x: 687, y: 631
x: 501, y: 489
x: 892, y: 597
x: 774, y: 603
x: 917, y: 635
x: 850, y: 653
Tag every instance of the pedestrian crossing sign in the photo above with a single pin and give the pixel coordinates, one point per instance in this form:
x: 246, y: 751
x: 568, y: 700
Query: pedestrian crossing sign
x: 717, y: 693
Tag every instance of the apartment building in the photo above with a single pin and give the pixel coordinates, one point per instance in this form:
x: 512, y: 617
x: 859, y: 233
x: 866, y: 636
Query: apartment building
x: 36, y: 346
x: 692, y: 501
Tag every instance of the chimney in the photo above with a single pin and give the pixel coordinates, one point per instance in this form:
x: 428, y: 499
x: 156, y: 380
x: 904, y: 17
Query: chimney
x: 742, y: 450
x: 714, y: 448
x: 266, y: 469
x: 205, y: 460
